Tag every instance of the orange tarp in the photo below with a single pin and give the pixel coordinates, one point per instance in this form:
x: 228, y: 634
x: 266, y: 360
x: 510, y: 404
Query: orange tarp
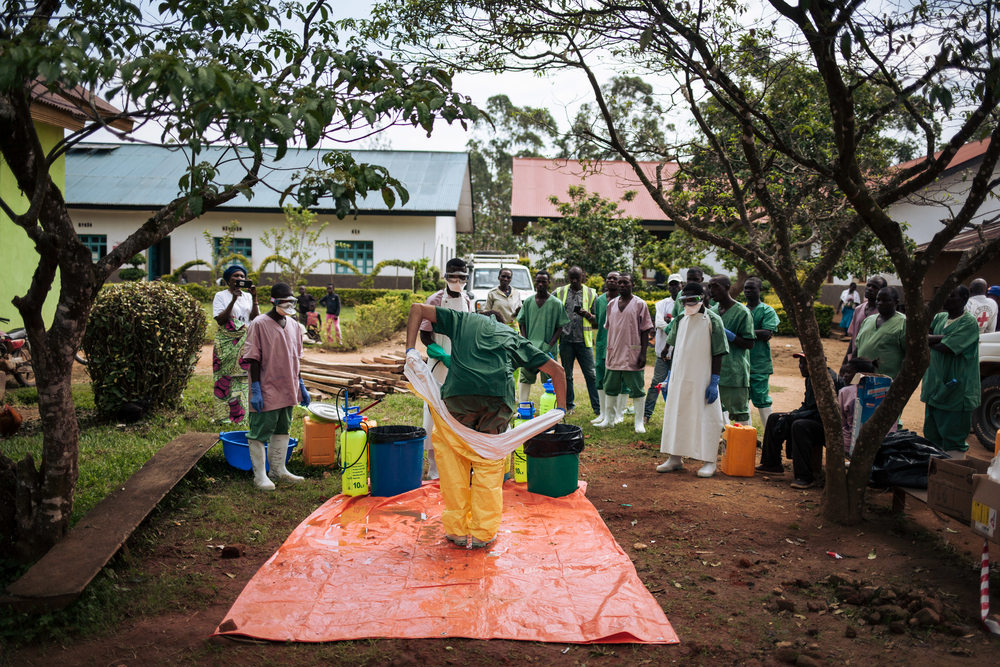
x: 363, y: 567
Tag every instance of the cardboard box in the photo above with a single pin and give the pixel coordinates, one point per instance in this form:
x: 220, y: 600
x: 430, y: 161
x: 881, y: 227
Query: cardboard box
x: 871, y: 390
x: 949, y: 486
x: 985, y: 506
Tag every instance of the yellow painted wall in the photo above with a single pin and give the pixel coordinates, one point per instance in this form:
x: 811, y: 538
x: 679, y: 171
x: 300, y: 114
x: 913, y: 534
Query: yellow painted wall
x: 18, y: 258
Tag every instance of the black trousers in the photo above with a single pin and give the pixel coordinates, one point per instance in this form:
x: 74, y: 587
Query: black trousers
x: 799, y: 436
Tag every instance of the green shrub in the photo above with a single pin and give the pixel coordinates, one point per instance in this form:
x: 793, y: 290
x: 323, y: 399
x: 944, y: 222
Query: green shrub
x: 142, y: 343
x: 824, y: 318
x: 379, y: 320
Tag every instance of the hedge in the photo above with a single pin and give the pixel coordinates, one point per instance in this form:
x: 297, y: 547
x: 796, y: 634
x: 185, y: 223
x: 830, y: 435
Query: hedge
x: 350, y: 297
x: 824, y: 318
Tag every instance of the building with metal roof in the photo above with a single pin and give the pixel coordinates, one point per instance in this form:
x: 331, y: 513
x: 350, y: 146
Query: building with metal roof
x: 112, y: 188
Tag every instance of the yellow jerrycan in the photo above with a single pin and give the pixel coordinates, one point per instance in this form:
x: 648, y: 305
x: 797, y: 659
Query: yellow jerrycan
x: 525, y: 411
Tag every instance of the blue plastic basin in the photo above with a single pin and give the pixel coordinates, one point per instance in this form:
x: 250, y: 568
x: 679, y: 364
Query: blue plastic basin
x: 237, y: 451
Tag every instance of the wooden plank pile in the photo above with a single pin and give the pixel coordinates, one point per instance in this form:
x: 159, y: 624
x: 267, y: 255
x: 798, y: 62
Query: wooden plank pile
x: 374, y: 377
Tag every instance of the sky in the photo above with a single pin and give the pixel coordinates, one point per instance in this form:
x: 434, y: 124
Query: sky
x: 561, y: 94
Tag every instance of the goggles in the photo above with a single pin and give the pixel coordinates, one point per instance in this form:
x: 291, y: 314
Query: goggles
x: 456, y: 276
x: 285, y: 301
x: 689, y: 300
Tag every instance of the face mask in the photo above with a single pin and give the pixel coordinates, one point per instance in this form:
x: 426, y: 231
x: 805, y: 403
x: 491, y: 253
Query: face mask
x: 692, y: 309
x: 286, y: 307
x: 456, y: 285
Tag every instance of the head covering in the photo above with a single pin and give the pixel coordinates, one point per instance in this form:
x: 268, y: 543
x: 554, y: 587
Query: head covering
x: 693, y: 289
x: 675, y: 277
x: 994, y: 291
x: 231, y: 270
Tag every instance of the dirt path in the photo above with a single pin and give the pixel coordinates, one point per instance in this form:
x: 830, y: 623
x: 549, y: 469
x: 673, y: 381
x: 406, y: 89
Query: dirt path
x: 739, y: 565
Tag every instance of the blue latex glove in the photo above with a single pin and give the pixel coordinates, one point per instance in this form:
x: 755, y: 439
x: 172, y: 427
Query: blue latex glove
x: 305, y: 394
x: 712, y: 392
x: 256, y: 400
x: 730, y: 336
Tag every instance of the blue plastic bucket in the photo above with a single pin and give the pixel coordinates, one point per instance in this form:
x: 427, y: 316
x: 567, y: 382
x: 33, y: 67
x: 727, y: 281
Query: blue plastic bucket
x: 397, y: 459
x: 237, y: 451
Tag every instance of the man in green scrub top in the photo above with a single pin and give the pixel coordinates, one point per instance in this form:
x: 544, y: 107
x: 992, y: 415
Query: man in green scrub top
x: 950, y: 389
x: 541, y: 320
x: 734, y: 380
x: 601, y: 340
x: 883, y: 336
x: 765, y: 325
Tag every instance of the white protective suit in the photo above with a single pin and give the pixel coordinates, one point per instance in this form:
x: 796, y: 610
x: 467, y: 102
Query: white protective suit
x: 691, y: 426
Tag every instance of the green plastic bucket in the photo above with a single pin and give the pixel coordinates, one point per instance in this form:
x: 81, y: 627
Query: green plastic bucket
x: 554, y: 461
x: 554, y: 476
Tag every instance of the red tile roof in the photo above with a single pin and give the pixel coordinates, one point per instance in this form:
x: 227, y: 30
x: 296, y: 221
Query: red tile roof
x: 970, y: 151
x: 967, y: 239
x: 77, y: 106
x: 536, y: 179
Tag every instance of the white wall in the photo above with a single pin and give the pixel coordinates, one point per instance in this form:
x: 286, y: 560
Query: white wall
x: 394, y: 237
x: 925, y: 210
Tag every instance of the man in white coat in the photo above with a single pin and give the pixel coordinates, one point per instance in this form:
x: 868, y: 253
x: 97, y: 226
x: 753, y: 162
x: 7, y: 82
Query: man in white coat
x: 692, y: 417
x: 452, y: 297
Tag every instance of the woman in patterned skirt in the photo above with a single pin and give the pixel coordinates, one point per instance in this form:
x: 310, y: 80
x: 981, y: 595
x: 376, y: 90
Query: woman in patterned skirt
x: 233, y: 310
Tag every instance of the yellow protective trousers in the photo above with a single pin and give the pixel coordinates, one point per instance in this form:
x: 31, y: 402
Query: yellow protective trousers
x: 470, y: 508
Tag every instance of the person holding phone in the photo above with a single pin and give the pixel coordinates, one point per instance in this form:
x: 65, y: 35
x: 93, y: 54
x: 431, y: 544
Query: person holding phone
x: 233, y: 309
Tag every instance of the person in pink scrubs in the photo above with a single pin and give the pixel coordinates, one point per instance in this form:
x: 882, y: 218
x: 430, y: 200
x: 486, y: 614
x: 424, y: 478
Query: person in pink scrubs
x: 273, y: 348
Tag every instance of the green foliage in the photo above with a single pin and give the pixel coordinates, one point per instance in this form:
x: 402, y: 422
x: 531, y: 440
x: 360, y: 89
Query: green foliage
x: 175, y: 277
x: 595, y: 282
x: 142, y: 342
x: 592, y: 234
x: 636, y: 113
x: 134, y: 273
x: 824, y: 318
x: 369, y: 280
x: 379, y: 320
x: 294, y: 244
x: 509, y: 132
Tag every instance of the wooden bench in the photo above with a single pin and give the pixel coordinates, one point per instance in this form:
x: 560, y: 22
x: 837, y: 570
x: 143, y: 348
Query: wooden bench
x: 61, y: 575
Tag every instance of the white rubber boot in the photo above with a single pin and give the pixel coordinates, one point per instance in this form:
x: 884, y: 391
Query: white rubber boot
x: 432, y: 465
x: 432, y: 471
x: 764, y: 414
x: 259, y: 467
x: 707, y: 470
x: 277, y: 450
x: 602, y: 398
x: 608, y: 412
x: 620, y: 402
x: 523, y: 392
x: 639, y: 419
x: 671, y: 464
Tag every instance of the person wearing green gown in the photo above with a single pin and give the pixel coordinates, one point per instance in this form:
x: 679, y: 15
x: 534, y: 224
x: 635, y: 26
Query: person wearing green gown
x: 734, y: 380
x: 950, y: 389
x: 541, y: 320
x: 765, y: 325
x: 883, y: 336
x: 601, y: 340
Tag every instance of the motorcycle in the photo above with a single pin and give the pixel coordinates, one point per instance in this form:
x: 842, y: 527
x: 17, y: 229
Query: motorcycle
x: 15, y: 355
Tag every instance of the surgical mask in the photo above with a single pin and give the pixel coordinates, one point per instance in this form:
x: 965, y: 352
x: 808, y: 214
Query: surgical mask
x: 286, y: 307
x: 456, y: 284
x: 692, y: 309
